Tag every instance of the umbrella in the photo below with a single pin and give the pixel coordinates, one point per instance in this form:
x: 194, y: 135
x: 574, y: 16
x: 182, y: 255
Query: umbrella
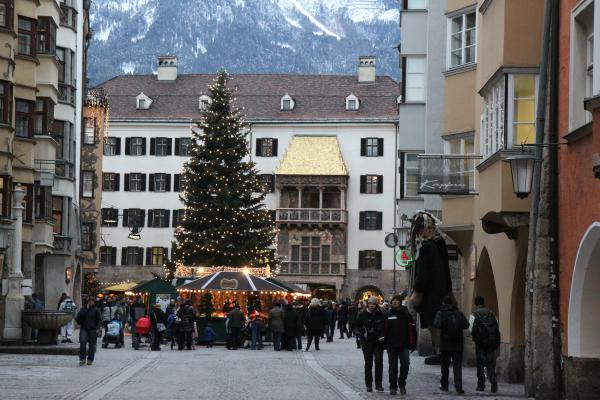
x: 232, y: 281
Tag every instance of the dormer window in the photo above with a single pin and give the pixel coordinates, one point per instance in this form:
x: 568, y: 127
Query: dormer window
x: 142, y: 102
x: 287, y: 103
x: 352, y: 103
x: 203, y: 102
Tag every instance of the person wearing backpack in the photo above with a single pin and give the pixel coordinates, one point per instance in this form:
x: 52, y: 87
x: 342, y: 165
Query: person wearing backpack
x: 451, y: 322
x: 485, y: 332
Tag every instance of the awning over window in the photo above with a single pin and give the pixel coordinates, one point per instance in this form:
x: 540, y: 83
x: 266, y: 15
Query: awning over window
x: 313, y: 155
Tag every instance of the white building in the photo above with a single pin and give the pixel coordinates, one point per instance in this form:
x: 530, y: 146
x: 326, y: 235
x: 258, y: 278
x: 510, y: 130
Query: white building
x: 325, y: 145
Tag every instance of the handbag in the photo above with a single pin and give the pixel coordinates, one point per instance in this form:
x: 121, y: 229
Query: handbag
x: 160, y: 327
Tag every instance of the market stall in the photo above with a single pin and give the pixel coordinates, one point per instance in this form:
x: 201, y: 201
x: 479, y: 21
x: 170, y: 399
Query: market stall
x: 295, y: 292
x: 155, y: 291
x: 119, y: 289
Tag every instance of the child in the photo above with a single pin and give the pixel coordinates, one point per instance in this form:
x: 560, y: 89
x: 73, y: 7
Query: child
x: 209, y: 335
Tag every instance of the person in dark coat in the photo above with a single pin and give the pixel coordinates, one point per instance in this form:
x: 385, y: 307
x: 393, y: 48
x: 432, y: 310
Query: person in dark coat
x: 370, y: 326
x: 315, y: 322
x: 300, y: 329
x: 186, y: 326
x: 236, y: 323
x: 158, y: 321
x: 400, y: 339
x: 89, y: 320
x: 485, y: 332
x: 136, y: 311
x: 451, y: 322
x: 330, y: 317
x: 277, y: 326
x: 352, y: 314
x: 290, y: 322
x: 342, y: 317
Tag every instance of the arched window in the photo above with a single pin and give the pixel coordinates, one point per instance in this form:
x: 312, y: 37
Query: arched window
x: 352, y: 103
x: 287, y: 103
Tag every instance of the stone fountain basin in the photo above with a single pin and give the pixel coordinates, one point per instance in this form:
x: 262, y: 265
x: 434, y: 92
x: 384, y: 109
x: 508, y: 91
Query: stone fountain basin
x: 46, y: 320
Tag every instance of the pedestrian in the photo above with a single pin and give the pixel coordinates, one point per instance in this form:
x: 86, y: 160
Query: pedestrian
x: 257, y: 325
x: 342, y: 317
x: 112, y: 311
x: 277, y: 326
x: 370, y: 326
x: 352, y: 314
x: 136, y: 311
x: 67, y: 305
x: 60, y: 300
x: 315, y: 323
x: 188, y: 316
x: 451, y: 322
x: 158, y: 321
x: 330, y: 318
x: 89, y: 320
x: 485, y: 332
x: 400, y: 333
x: 37, y: 305
x: 300, y: 329
x: 208, y: 335
x: 236, y: 323
x: 290, y: 324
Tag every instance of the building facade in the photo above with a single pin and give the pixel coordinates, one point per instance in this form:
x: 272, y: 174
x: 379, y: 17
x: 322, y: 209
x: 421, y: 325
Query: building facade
x: 332, y: 219
x: 41, y: 113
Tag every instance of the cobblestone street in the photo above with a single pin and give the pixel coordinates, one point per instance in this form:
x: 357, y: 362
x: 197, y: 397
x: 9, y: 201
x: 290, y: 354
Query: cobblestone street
x: 335, y: 372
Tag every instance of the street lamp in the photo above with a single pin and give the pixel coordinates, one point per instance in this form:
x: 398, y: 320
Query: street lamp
x: 521, y: 168
x: 134, y: 229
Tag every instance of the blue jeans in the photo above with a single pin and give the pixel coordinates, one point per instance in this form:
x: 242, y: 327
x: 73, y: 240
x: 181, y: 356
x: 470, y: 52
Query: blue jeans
x: 395, y: 355
x: 277, y: 339
x: 87, y: 336
x: 256, y: 337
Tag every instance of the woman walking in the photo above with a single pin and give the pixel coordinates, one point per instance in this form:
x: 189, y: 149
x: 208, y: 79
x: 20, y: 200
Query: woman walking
x: 315, y: 322
x: 158, y: 321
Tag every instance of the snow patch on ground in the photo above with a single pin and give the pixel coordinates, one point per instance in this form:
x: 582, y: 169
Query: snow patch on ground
x: 128, y: 68
x: 312, y: 19
x: 104, y: 32
x: 389, y: 16
x: 293, y: 22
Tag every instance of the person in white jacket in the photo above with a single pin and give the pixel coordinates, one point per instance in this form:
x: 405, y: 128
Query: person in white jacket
x: 66, y: 331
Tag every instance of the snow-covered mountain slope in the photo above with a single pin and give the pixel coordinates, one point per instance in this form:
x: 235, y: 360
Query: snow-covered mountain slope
x: 274, y: 36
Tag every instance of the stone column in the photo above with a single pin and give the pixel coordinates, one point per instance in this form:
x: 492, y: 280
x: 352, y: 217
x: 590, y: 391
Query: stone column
x: 321, y: 197
x: 15, y: 301
x: 299, y: 197
x: 343, y: 199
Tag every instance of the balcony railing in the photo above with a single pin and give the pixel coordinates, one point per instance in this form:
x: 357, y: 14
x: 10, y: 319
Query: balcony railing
x: 447, y: 174
x: 314, y: 215
x: 62, y: 243
x: 316, y: 268
x: 66, y: 93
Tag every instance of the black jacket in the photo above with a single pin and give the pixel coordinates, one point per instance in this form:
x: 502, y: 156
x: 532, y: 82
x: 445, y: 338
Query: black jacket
x: 370, y: 325
x: 157, y: 316
x: 352, y: 313
x: 451, y: 340
x: 342, y: 314
x: 315, y: 318
x: 290, y: 321
x: 186, y: 313
x: 399, y: 329
x: 89, y: 318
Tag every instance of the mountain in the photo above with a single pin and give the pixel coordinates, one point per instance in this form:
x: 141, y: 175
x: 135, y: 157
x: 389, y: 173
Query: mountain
x: 252, y: 36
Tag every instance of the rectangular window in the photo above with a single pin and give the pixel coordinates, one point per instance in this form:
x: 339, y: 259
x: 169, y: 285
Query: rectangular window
x: 178, y: 183
x: 136, y: 146
x: 492, y: 119
x: 414, y: 4
x: 352, y: 104
x: 268, y: 182
x: 162, y: 146
x: 43, y: 201
x: 266, y: 147
x: 57, y: 214
x: 160, y: 218
x: 136, y: 182
x: 44, y: 116
x: 5, y: 199
x: 87, y: 183
x: 110, y: 182
x: 371, y: 147
x: 462, y: 40
x: 112, y: 146
x: 370, y: 220
x: 160, y: 182
x: 134, y: 255
x: 415, y: 83
x: 110, y: 217
x: 134, y: 217
x: 26, y: 45
x: 6, y: 13
x: 108, y: 255
x: 182, y: 146
x: 521, y: 109
x: 87, y: 232
x: 46, y: 36
x: 178, y: 216
x: 58, y: 134
x: 24, y: 118
x: 158, y: 256
x: 68, y: 15
x: 371, y: 184
x: 89, y: 131
x: 6, y: 102
x: 461, y: 170
x: 369, y: 259
x: 411, y: 175
x: 28, y: 203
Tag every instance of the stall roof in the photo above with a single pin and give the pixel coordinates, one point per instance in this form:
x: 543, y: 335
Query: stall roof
x: 232, y: 281
x: 291, y: 287
x: 154, y: 286
x: 122, y: 287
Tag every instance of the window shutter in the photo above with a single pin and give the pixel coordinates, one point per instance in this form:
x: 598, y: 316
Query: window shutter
x: 143, y: 182
x: 148, y: 255
x: 175, y: 218
x: 113, y: 256
x: 117, y: 182
x: 378, y: 258
x: 127, y: 146
x: 272, y: 187
x: 151, y: 182
x: 274, y: 147
x: 361, y: 220
x: 143, y: 146
x: 169, y: 146
x: 150, y: 218
x: 176, y: 146
x: 259, y: 147
x: 167, y: 216
x: 176, y: 182
x: 125, y: 217
x: 140, y: 260
x: 379, y: 183
x: 363, y: 147
x: 361, y: 259
x: 379, y: 220
x: 142, y: 218
x: 363, y: 183
x: 167, y: 182
x: 152, y: 146
x: 123, y: 256
x: 165, y: 253
x: 380, y: 147
x: 118, y: 149
x: 126, y: 185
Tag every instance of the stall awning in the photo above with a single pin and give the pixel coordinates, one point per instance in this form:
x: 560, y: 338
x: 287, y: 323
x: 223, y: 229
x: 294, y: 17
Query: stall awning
x: 122, y: 287
x: 290, y: 287
x: 232, y: 281
x: 154, y: 286
x: 313, y: 155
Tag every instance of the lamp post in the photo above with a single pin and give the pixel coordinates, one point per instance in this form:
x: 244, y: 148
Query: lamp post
x: 521, y: 168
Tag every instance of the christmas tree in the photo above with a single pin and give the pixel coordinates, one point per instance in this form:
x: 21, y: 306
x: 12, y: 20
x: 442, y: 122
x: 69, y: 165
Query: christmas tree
x: 225, y: 221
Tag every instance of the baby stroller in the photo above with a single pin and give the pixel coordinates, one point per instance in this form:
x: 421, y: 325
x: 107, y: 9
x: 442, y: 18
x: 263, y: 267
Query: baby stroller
x: 114, y: 330
x: 142, y: 328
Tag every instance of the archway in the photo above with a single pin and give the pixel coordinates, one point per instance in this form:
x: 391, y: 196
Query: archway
x: 323, y: 292
x: 367, y: 291
x: 485, y: 284
x: 584, y: 320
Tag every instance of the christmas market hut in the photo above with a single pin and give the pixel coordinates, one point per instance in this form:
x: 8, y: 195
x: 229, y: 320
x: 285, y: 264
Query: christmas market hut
x: 155, y: 291
x: 118, y: 289
x: 295, y: 292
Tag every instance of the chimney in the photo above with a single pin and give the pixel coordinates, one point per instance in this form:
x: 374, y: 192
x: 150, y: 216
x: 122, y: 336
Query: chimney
x: 366, y: 69
x: 167, y: 68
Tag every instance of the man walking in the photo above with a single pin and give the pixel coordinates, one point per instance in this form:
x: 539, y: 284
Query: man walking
x: 451, y: 323
x: 400, y: 337
x: 236, y: 323
x: 370, y: 326
x: 331, y: 317
x: 89, y: 320
x: 486, y: 335
x: 277, y: 326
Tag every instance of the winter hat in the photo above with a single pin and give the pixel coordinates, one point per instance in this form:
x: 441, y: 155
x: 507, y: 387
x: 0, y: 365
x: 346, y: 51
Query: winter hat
x: 372, y: 300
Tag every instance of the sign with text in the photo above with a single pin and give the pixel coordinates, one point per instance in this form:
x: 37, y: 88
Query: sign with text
x: 446, y: 175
